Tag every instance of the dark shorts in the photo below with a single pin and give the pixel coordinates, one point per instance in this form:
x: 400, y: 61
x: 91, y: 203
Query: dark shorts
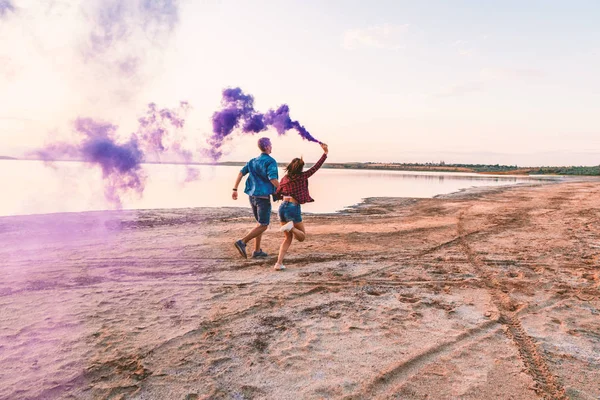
x: 290, y: 212
x: 261, y: 209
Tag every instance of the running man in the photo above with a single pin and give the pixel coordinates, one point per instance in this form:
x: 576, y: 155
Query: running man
x: 261, y: 184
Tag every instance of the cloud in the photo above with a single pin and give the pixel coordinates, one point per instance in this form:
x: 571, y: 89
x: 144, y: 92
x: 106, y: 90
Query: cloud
x: 462, y: 89
x: 486, y: 78
x: 490, y: 74
x: 18, y: 119
x: 384, y: 36
x: 463, y: 48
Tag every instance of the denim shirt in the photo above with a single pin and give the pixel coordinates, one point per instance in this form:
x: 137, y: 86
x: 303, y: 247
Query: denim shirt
x: 261, y: 169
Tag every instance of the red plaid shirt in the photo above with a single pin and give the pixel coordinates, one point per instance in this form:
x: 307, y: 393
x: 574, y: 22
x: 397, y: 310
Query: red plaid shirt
x: 297, y: 187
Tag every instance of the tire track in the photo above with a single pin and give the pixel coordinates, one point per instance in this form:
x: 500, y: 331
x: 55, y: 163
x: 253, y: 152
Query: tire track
x: 547, y: 385
x: 404, y: 370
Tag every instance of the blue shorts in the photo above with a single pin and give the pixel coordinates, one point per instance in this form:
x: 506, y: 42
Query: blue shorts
x: 261, y: 208
x: 289, y: 211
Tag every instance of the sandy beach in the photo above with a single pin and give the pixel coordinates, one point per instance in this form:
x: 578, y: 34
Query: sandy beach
x: 492, y: 294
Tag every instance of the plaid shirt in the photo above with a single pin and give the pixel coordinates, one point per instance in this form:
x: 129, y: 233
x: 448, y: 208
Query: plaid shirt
x: 297, y: 187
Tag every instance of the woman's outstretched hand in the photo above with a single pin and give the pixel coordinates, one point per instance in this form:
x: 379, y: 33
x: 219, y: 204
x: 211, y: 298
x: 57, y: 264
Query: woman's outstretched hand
x: 324, y: 147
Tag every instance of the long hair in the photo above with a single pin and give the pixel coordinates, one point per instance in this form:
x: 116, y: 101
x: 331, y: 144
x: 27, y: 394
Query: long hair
x: 295, y: 167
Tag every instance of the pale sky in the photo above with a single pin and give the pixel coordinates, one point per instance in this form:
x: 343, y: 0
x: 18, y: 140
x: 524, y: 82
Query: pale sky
x: 510, y: 82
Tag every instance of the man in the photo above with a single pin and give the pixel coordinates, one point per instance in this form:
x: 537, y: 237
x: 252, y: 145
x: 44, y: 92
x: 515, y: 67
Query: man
x: 261, y: 184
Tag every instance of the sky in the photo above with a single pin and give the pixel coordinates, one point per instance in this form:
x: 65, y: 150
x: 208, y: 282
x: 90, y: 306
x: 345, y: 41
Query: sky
x: 510, y: 82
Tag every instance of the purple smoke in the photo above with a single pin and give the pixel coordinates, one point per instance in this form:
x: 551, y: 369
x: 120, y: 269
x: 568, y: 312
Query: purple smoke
x: 159, y: 131
x: 129, y: 66
x: 255, y: 124
x: 238, y: 108
x: 123, y: 33
x: 110, y: 26
x: 159, y: 127
x: 115, y: 21
x: 159, y: 14
x: 192, y: 174
x: 6, y: 6
x: 121, y: 163
x: 281, y: 121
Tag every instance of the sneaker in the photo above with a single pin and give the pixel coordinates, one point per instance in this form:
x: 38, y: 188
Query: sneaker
x: 287, y: 227
x: 259, y: 254
x: 279, y: 267
x: 241, y: 247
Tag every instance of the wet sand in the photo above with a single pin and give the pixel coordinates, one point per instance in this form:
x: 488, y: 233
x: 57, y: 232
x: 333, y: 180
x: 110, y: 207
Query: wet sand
x: 490, y: 294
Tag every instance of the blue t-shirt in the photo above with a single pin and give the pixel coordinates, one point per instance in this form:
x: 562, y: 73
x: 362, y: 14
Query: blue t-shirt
x: 261, y: 169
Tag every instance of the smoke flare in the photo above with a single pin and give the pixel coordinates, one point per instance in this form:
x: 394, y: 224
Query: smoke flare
x: 238, y: 109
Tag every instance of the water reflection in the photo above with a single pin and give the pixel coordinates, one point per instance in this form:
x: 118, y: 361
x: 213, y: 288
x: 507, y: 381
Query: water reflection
x: 30, y: 187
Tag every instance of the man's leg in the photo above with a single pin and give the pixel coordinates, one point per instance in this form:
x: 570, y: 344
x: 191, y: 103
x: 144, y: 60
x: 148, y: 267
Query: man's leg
x: 263, y: 217
x: 255, y: 233
x: 257, y: 241
x: 261, y: 208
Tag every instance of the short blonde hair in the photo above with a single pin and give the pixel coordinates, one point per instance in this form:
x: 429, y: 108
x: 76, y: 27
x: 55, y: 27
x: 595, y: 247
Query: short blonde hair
x: 263, y: 143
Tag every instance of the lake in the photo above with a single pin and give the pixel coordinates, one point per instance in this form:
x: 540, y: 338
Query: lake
x: 34, y: 187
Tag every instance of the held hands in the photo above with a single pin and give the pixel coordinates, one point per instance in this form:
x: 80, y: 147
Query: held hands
x: 324, y: 147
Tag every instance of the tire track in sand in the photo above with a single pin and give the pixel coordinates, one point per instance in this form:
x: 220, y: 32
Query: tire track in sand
x: 400, y: 372
x: 547, y: 385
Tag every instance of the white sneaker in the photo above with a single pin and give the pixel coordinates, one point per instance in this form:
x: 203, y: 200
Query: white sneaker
x: 287, y: 227
x: 279, y: 267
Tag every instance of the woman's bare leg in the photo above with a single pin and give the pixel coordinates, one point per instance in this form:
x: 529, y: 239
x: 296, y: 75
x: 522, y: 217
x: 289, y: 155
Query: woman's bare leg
x: 285, y: 245
x: 299, y: 231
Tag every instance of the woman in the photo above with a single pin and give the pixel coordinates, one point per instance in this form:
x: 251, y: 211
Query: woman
x: 294, y: 190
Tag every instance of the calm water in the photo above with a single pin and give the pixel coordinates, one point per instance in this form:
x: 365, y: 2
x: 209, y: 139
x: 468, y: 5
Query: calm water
x: 31, y: 187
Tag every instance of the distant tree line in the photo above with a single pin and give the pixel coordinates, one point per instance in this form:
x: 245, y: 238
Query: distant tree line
x: 566, y: 170
x: 476, y: 168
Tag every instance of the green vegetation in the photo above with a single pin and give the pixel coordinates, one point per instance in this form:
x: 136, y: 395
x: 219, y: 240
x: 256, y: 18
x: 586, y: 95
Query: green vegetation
x: 566, y: 170
x: 441, y: 166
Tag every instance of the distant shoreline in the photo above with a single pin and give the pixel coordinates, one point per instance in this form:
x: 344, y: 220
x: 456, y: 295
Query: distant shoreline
x: 494, y: 169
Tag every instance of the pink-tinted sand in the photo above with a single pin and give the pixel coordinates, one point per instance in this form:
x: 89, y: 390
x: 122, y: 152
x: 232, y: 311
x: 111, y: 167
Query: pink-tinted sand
x: 476, y: 296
